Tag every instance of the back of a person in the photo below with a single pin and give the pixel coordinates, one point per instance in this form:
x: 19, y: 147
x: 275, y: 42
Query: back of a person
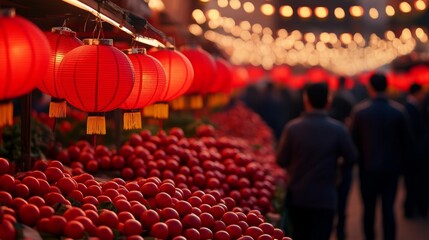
x: 316, y: 141
x: 379, y: 127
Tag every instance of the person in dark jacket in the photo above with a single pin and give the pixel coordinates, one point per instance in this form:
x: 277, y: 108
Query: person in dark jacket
x: 340, y: 109
x: 380, y: 129
x: 414, y: 171
x: 309, y: 149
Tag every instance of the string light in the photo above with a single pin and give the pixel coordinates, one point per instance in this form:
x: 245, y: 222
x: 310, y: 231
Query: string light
x: 405, y: 7
x: 390, y: 11
x: 222, y: 3
x: 373, y: 13
x: 199, y: 16
x: 286, y: 11
x: 321, y: 12
x: 235, y: 4
x: 248, y: 7
x: 420, y: 5
x: 339, y: 13
x: 304, y: 12
x: 356, y: 11
x: 267, y: 9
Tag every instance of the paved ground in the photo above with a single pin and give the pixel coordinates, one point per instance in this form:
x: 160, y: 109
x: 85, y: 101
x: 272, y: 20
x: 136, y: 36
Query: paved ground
x: 407, y: 229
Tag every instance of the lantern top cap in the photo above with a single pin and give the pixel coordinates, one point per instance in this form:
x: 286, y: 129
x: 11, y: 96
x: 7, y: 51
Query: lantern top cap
x: 98, y: 42
x: 7, y: 12
x: 63, y: 31
x: 134, y: 50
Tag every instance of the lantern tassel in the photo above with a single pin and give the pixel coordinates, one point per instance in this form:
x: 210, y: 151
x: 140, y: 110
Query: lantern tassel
x: 6, y: 113
x: 212, y: 100
x: 132, y: 120
x: 57, y: 108
x: 160, y: 110
x: 96, y: 125
x: 148, y: 111
x: 196, y: 102
x: 179, y: 103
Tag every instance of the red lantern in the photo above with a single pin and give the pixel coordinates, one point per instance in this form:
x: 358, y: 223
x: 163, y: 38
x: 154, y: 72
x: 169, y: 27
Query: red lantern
x: 180, y: 75
x: 420, y: 73
x: 280, y: 74
x: 149, y: 86
x: 221, y: 83
x: 204, y: 74
x: 24, y: 55
x: 256, y: 73
x: 240, y: 77
x: 62, y: 40
x: 399, y: 81
x: 96, y: 78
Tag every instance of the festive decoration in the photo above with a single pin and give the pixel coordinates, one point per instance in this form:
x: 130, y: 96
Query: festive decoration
x: 204, y: 75
x: 240, y: 77
x: 96, y: 78
x: 149, y: 86
x: 280, y: 74
x: 180, y: 75
x: 221, y: 83
x: 24, y: 55
x: 62, y: 40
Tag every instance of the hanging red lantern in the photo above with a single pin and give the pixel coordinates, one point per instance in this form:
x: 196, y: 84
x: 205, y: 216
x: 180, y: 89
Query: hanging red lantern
x: 420, y: 73
x: 280, y: 74
x: 399, y: 81
x: 24, y: 55
x: 204, y: 75
x: 149, y: 86
x: 256, y: 73
x: 180, y: 75
x: 62, y: 40
x: 96, y: 78
x: 240, y: 77
x: 221, y: 83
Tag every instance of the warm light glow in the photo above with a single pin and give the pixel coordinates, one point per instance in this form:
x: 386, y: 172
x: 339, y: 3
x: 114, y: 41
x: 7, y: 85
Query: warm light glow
x: 267, y: 9
x: 405, y: 7
x: 204, y: 1
x: 356, y: 11
x: 286, y: 11
x: 235, y: 4
x: 390, y: 11
x: 390, y: 35
x: 373, y: 13
x: 195, y: 29
x: 339, y: 13
x: 157, y: 5
x: 248, y: 7
x: 420, y: 5
x: 222, y: 3
x: 199, y: 16
x: 406, y: 34
x: 419, y: 32
x: 257, y: 28
x: 321, y: 12
x: 324, y: 37
x: 213, y: 14
x: 304, y: 12
x: 346, y: 38
x: 245, y: 25
x: 310, y: 37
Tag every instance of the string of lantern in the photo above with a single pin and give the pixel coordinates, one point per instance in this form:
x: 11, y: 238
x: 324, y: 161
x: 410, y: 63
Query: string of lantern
x: 355, y: 11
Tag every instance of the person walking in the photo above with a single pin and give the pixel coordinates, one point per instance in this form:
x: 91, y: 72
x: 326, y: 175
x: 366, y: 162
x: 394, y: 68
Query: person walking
x: 309, y: 149
x: 380, y: 130
x: 414, y: 171
x: 340, y: 109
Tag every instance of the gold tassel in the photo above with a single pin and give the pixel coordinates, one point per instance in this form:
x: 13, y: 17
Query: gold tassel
x: 196, y: 102
x: 57, y: 108
x: 179, y: 103
x: 132, y: 120
x: 212, y: 100
x: 6, y: 113
x: 160, y: 110
x: 96, y: 125
x: 148, y: 111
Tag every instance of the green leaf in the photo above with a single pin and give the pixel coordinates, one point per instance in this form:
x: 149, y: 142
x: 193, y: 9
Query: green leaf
x: 19, y: 230
x: 74, y: 202
x: 117, y: 235
x: 107, y: 205
x: 48, y: 236
x: 59, y: 208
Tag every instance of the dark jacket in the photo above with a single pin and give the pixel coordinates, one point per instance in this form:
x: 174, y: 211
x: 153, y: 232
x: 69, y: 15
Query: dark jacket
x: 309, y: 149
x: 381, y: 131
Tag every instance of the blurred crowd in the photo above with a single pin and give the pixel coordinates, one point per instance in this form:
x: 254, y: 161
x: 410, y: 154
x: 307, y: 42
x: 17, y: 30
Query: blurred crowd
x: 389, y: 131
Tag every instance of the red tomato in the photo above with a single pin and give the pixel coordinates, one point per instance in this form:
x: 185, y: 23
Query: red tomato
x: 221, y: 235
x: 7, y: 230
x: 108, y: 218
x: 4, y: 166
x: 174, y: 227
x: 254, y: 232
x: 22, y: 190
x: 105, y: 233
x: 8, y: 183
x: 163, y: 200
x: 191, y: 221
x: 168, y: 213
x: 149, y: 218
x: 66, y: 185
x: 234, y: 231
x: 278, y: 233
x: 36, y: 200
x: 53, y: 174
x: 29, y: 214
x: 46, y: 211
x: 159, y: 230
x: 5, y: 198
x: 73, y: 212
x: 74, y: 229
x: 192, y: 234
x: 206, y: 233
x: 183, y: 207
x: 124, y: 216
x: 132, y: 227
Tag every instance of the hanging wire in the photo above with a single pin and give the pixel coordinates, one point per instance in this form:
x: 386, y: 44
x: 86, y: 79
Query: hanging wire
x: 98, y: 23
